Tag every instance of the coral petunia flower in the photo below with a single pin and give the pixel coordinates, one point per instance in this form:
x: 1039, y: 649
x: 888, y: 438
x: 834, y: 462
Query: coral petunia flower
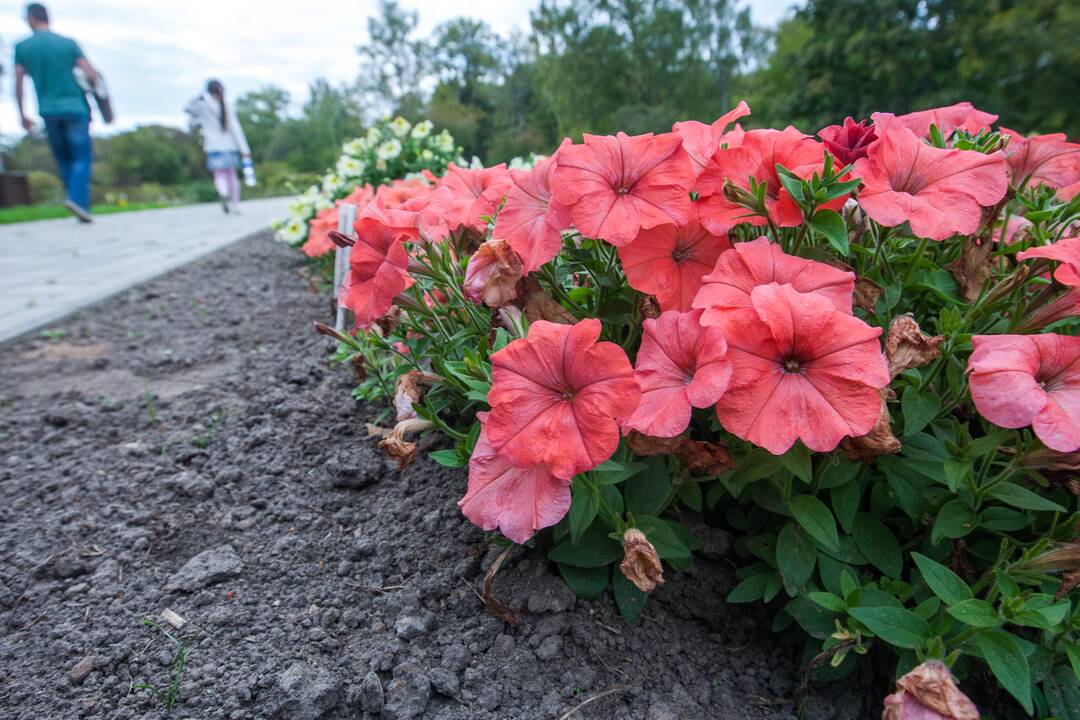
x: 1067, y: 252
x: 377, y: 263
x: 760, y: 262
x: 937, y: 191
x: 617, y: 186
x: 961, y: 116
x: 475, y: 193
x: 492, y: 274
x: 399, y: 192
x: 802, y: 370
x: 517, y: 500
x: 530, y: 222
x: 1042, y: 160
x: 681, y: 365
x: 1021, y: 380
x: 848, y: 142
x: 319, y: 228
x: 557, y: 397
x: 757, y: 157
x: 360, y: 196
x: 701, y: 141
x: 669, y: 261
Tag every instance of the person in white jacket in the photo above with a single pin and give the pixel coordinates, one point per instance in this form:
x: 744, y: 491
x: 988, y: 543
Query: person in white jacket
x: 223, y: 140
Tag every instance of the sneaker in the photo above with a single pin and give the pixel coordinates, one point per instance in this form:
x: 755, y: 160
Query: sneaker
x: 78, y: 211
x: 225, y: 206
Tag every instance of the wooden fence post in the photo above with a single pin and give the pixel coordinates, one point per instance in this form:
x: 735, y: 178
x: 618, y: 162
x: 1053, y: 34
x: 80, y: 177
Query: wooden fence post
x: 346, y: 218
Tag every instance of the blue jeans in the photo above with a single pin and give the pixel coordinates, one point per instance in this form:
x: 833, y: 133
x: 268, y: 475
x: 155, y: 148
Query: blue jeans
x: 69, y: 139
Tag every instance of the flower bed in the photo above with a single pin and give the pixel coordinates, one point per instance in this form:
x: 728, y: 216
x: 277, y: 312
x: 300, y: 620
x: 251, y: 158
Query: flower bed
x: 860, y: 353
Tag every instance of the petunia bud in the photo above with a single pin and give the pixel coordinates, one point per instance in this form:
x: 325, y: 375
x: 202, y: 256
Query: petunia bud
x: 879, y: 441
x: 906, y: 346
x: 513, y: 320
x: 641, y: 565
x: 1062, y: 557
x: 929, y: 693
x: 492, y: 274
x: 1047, y: 459
x: 848, y: 142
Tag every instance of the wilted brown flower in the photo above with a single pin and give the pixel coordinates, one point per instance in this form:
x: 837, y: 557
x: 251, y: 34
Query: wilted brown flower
x: 541, y: 306
x: 493, y: 274
x: 1047, y: 459
x: 648, y: 307
x: 701, y: 458
x: 393, y: 441
x: 1061, y: 557
x: 879, y: 441
x: 641, y: 565
x: 406, y: 392
x: 929, y: 693
x: 906, y: 346
x: 972, y: 268
x: 867, y: 293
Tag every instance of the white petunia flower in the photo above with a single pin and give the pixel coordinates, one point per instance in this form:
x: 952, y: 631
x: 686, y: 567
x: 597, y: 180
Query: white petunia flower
x: 422, y: 130
x: 355, y: 147
x: 292, y: 231
x: 389, y: 149
x: 444, y: 141
x: 400, y: 126
x: 373, y: 136
x: 350, y: 167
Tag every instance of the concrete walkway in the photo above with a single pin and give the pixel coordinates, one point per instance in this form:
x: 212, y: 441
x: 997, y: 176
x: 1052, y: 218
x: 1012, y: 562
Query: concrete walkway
x: 53, y: 267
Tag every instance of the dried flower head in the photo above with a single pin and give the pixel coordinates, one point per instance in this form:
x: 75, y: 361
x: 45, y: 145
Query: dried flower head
x: 640, y: 564
x: 906, y: 346
x: 929, y: 693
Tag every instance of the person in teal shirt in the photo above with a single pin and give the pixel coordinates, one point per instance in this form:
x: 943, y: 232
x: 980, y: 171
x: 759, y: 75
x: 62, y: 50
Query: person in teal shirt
x: 50, y: 61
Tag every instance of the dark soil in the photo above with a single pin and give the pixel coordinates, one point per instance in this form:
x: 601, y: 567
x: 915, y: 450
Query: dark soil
x: 196, y: 414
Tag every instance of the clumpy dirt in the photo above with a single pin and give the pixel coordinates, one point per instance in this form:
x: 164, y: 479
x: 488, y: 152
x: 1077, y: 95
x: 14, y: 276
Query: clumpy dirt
x: 186, y: 446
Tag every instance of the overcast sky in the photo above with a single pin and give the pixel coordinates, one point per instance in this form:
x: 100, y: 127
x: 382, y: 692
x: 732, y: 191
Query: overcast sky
x: 157, y: 54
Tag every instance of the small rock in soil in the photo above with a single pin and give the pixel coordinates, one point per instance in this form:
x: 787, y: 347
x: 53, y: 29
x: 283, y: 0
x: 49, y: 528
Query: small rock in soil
x: 408, y: 693
x: 550, y: 594
x: 411, y: 625
x: 307, y: 692
x: 371, y: 694
x: 444, y: 682
x: 206, y: 568
x: 82, y: 669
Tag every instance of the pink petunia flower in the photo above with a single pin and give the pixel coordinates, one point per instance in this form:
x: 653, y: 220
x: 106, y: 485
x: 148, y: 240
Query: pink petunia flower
x: 1066, y: 252
x: 681, y: 365
x: 757, y: 157
x: 492, y: 274
x: 701, y: 141
x: 669, y: 261
x: 759, y: 262
x: 1021, y: 380
x: 557, y: 397
x: 1042, y: 160
x: 399, y: 192
x: 377, y: 263
x: 475, y: 194
x: 938, y: 192
x: 617, y: 186
x: 961, y: 116
x: 802, y: 370
x: 318, y: 241
x: 530, y: 222
x: 516, y: 500
x: 848, y: 142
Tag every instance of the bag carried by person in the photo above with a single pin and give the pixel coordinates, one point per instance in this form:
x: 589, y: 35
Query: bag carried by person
x: 97, y: 90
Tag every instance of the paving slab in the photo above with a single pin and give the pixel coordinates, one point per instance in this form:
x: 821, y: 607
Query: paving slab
x: 51, y: 268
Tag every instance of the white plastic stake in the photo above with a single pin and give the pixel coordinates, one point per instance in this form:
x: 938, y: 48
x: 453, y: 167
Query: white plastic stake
x: 346, y: 218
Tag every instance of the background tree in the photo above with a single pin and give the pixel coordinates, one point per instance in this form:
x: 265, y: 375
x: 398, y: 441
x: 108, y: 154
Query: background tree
x: 392, y: 63
x: 261, y: 112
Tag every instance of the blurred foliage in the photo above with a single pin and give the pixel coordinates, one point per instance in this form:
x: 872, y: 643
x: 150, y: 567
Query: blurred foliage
x: 635, y: 65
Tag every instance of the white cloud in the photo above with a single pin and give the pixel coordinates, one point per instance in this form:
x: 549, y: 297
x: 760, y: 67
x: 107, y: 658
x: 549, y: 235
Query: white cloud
x: 158, y: 54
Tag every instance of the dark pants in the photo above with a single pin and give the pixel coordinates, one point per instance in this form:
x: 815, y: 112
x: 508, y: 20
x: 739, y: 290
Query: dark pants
x: 69, y: 139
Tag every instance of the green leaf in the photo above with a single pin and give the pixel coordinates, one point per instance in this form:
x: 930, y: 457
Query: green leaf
x: 845, y: 502
x: 878, y: 544
x: 954, y: 520
x: 595, y: 549
x: 896, y: 626
x: 955, y: 472
x: 836, y: 471
x: 751, y: 589
x: 815, y: 518
x: 944, y: 583
x: 690, y: 494
x: 448, y: 458
x: 998, y: 517
x: 647, y: 491
x: 828, y: 601
x: 587, y: 583
x: 583, y: 508
x: 797, y: 462
x: 1072, y: 649
x: 975, y: 612
x: 613, y: 473
x: 1021, y: 497
x: 832, y: 226
x: 796, y: 557
x: 668, y: 545
x: 1008, y: 663
x: 918, y: 409
x: 630, y: 600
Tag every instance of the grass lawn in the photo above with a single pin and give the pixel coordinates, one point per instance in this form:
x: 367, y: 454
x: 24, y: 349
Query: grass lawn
x: 28, y: 213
